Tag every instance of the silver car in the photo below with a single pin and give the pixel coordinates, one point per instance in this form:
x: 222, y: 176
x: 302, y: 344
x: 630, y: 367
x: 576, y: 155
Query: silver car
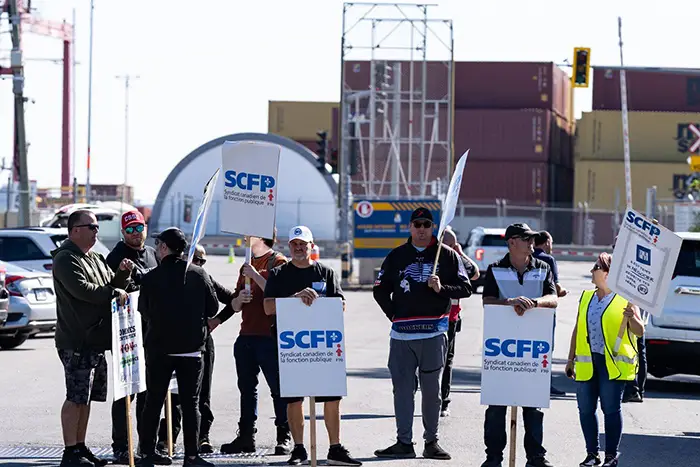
x: 32, y: 308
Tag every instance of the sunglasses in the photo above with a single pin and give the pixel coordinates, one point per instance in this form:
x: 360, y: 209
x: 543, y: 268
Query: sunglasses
x: 597, y: 267
x: 93, y: 227
x: 424, y: 224
x: 199, y: 261
x: 134, y: 228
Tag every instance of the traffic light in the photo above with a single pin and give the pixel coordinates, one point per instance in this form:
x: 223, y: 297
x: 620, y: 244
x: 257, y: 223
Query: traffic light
x: 582, y: 66
x: 322, y: 151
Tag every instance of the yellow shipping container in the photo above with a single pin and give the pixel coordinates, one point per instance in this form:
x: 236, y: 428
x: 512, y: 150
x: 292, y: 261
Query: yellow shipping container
x: 300, y: 120
x: 596, y: 182
x: 654, y: 136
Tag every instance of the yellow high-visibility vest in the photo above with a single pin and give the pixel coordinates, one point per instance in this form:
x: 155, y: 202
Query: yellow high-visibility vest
x: 620, y: 354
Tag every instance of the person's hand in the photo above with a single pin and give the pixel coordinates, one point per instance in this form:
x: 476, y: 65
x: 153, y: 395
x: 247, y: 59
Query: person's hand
x: 126, y: 265
x: 123, y: 296
x: 434, y: 283
x: 563, y: 292
x: 569, y: 371
x: 213, y: 323
x: 245, y: 296
x: 458, y: 249
x: 249, y: 270
x: 308, y: 295
x: 630, y: 311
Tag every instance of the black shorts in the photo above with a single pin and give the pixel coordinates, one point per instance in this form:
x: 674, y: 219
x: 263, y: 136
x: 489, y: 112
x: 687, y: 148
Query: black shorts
x: 291, y: 400
x: 86, y: 375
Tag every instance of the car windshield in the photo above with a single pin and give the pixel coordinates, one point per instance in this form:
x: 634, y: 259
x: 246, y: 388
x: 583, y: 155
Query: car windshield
x: 688, y: 263
x: 494, y: 240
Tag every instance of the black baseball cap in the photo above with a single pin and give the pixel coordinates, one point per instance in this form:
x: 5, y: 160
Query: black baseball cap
x: 173, y: 239
x: 519, y: 230
x: 422, y: 214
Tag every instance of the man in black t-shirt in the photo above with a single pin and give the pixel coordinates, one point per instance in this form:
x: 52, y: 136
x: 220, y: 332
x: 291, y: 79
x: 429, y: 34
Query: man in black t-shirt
x: 307, y: 279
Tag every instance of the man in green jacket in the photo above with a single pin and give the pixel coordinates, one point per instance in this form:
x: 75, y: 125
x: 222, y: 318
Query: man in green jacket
x: 85, y: 287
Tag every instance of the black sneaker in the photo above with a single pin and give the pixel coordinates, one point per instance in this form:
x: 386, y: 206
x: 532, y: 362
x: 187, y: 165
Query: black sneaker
x: 610, y: 461
x: 538, y: 462
x: 433, y: 450
x: 197, y: 461
x: 299, y: 456
x: 284, y: 441
x: 633, y: 397
x: 490, y: 462
x: 591, y: 460
x: 73, y: 458
x: 397, y: 451
x: 122, y: 458
x: 244, y: 442
x: 156, y: 459
x: 338, y: 455
x: 205, y: 447
x: 556, y: 391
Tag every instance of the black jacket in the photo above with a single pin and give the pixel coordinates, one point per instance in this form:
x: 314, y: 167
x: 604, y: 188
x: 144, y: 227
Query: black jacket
x: 144, y: 259
x: 402, y: 291
x: 176, y: 311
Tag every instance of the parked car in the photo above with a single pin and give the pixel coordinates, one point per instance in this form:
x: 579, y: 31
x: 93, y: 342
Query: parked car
x: 485, y: 246
x: 31, y: 247
x: 4, y: 298
x: 32, y: 305
x: 108, y: 218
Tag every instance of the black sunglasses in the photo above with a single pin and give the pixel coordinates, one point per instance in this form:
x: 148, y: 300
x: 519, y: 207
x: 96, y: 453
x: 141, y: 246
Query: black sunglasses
x: 93, y: 227
x: 134, y: 228
x: 597, y: 267
x: 424, y: 224
x: 199, y: 261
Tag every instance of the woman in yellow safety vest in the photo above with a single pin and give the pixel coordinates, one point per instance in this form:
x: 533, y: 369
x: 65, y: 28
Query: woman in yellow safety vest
x: 601, y: 362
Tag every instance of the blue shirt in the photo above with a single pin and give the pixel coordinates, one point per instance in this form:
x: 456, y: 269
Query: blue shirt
x: 549, y: 259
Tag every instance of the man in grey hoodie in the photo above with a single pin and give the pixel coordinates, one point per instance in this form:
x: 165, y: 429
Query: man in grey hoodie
x: 85, y: 287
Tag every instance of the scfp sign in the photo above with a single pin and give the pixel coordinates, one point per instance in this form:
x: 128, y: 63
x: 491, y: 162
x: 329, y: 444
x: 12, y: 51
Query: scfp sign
x: 515, y: 348
x: 309, y: 339
x: 247, y: 181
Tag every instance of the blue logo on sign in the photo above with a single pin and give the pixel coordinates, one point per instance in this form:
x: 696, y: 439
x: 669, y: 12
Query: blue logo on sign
x: 309, y: 339
x: 515, y: 348
x: 643, y: 224
x: 643, y: 255
x: 248, y: 181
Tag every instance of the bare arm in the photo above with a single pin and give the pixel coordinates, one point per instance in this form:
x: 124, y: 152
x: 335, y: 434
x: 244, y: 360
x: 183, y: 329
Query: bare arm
x: 634, y: 322
x: 572, y: 345
x: 548, y: 301
x: 269, y: 306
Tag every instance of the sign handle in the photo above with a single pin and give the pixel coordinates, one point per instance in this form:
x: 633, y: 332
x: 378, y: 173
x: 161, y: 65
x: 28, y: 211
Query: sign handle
x: 248, y: 258
x: 513, y: 434
x: 312, y: 431
x: 129, y: 430
x: 437, y: 255
x: 169, y: 421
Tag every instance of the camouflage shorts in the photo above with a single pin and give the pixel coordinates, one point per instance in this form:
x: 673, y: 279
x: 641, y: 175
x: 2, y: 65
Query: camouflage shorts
x: 86, y: 375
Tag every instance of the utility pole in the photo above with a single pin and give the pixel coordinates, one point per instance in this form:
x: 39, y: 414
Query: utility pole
x: 89, y: 124
x: 127, y: 78
x: 18, y: 90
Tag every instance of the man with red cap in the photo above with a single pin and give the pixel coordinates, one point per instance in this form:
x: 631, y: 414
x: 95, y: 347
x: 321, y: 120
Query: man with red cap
x: 133, y: 247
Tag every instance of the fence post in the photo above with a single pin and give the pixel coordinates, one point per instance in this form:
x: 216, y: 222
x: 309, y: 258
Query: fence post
x: 579, y: 237
x: 651, y: 203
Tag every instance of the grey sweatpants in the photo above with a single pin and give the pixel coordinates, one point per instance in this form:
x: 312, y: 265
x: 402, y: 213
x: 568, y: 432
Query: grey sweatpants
x: 427, y: 357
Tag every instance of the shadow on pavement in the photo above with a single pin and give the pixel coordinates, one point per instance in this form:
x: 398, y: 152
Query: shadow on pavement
x: 650, y: 450
x: 665, y: 389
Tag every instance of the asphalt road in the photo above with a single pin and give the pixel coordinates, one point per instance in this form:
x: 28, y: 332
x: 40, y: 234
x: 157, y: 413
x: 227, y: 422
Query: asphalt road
x: 665, y: 429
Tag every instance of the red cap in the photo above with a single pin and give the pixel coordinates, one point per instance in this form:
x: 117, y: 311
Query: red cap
x: 131, y: 218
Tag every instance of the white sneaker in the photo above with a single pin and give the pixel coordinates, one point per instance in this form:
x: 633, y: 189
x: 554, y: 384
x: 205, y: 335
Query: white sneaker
x: 445, y: 413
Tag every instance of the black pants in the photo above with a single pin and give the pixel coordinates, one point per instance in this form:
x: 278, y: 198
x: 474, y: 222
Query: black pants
x: 641, y: 379
x: 159, y: 369
x: 495, y: 436
x: 120, y: 443
x: 207, y: 416
x: 447, y: 371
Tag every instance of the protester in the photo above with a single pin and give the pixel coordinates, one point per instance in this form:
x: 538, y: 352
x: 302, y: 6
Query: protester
x: 417, y: 303
x: 543, y: 251
x: 307, y: 279
x: 255, y: 349
x: 600, y: 364
x: 225, y: 296
x: 133, y: 247
x: 449, y: 238
x: 176, y: 302
x: 523, y: 282
x: 85, y: 287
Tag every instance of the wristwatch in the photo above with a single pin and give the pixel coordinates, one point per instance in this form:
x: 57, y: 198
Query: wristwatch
x: 536, y: 303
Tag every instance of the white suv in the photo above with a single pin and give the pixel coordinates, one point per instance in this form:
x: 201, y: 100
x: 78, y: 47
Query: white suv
x: 485, y: 247
x: 673, y: 339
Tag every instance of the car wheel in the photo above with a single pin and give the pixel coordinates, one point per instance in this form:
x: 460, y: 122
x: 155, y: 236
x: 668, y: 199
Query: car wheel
x: 12, y: 342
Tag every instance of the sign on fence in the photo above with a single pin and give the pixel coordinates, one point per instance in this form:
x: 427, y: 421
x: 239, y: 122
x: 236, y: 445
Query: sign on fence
x: 128, y: 361
x: 311, y: 347
x: 517, y: 358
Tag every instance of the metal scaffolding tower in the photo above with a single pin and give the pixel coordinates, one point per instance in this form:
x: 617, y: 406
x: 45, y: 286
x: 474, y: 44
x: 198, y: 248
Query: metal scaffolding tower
x: 396, y: 104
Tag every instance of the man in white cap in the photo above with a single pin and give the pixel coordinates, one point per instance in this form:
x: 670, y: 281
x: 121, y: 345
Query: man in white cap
x: 307, y: 279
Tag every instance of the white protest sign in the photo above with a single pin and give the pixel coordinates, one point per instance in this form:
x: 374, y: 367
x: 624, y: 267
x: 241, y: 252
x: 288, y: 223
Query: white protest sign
x: 452, y: 197
x: 172, y: 387
x: 128, y: 361
x: 311, y: 347
x: 250, y: 188
x: 644, y: 258
x: 517, y: 359
x: 200, y: 224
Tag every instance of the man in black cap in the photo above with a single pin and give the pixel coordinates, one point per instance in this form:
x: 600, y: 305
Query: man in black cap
x: 418, y: 304
x: 176, y: 303
x: 523, y: 282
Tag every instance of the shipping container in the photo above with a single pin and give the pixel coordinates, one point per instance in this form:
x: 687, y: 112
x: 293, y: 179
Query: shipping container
x: 301, y: 120
x: 357, y: 78
x: 646, y: 91
x: 602, y: 183
x: 654, y: 136
x: 511, y: 85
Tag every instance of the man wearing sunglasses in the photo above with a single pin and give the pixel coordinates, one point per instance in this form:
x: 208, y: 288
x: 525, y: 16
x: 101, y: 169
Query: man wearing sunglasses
x: 133, y: 247
x: 418, y: 302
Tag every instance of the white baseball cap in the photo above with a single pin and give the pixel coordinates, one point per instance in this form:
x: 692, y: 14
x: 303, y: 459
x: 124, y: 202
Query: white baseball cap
x: 301, y: 232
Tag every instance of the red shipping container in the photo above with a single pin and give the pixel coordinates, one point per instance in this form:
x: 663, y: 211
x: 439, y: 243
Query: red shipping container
x: 511, y: 85
x: 646, y: 91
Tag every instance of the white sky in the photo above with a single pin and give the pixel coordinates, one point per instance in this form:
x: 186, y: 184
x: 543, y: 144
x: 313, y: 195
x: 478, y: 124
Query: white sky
x: 208, y: 68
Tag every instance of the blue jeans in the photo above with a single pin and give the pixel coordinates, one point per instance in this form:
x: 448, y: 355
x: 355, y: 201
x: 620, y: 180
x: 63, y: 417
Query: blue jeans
x: 253, y: 354
x: 610, y: 395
